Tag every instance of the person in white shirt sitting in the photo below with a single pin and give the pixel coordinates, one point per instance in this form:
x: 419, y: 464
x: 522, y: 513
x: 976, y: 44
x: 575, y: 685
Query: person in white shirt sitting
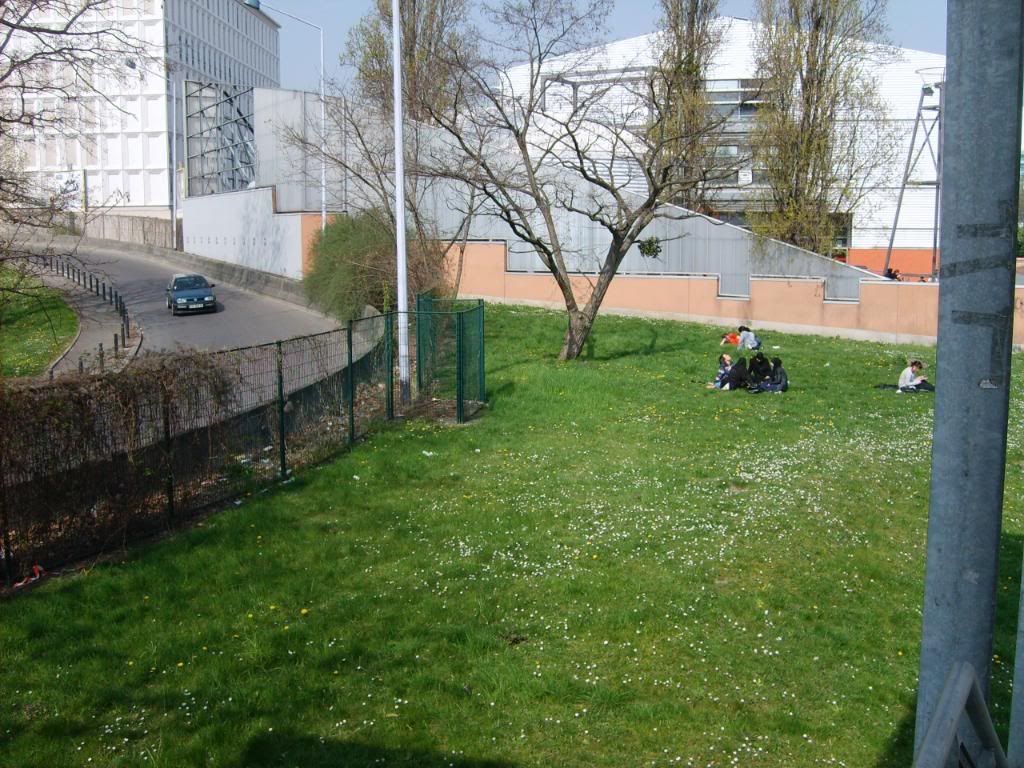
x: 911, y: 379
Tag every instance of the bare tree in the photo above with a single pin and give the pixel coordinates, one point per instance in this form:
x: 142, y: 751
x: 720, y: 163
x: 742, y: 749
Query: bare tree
x: 58, y: 62
x: 549, y: 138
x: 821, y: 139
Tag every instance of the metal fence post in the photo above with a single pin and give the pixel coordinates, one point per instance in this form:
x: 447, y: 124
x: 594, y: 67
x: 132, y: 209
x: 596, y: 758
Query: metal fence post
x: 419, y: 341
x: 280, y: 411
x: 5, y: 535
x: 480, y: 351
x: 460, y: 412
x: 389, y: 365
x: 168, y: 455
x: 350, y: 385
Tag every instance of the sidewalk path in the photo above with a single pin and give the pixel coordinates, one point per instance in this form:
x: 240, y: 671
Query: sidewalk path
x: 98, y: 322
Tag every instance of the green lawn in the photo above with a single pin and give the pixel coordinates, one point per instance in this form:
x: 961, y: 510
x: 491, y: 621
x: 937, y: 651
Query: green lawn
x: 611, y: 567
x: 35, y: 325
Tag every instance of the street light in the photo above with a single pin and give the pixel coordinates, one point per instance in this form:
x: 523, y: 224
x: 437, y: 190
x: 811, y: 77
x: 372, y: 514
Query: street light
x: 255, y: 5
x: 403, y: 300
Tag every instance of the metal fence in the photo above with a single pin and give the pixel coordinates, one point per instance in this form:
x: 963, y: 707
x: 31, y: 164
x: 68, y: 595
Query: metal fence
x: 103, y: 459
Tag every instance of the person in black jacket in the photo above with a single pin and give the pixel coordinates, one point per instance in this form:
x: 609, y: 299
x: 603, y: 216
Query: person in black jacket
x: 777, y: 382
x: 760, y: 369
x: 737, y: 378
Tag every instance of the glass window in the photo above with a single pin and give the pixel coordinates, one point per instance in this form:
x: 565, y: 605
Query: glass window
x: 190, y: 283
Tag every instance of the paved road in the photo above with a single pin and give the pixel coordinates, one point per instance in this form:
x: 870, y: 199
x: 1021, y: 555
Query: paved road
x: 243, y: 318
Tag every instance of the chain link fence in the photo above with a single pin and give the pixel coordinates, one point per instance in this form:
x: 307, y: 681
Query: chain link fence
x: 90, y: 462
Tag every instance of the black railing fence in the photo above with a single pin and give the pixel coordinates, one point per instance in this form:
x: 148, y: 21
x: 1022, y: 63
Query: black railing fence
x: 95, y: 461
x: 116, y: 351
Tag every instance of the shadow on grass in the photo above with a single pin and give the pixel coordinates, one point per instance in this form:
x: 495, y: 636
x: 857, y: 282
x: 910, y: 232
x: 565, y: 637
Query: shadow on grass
x: 274, y: 749
x: 901, y: 747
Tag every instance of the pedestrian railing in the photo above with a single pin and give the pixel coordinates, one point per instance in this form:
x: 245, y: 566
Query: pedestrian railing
x: 102, y: 357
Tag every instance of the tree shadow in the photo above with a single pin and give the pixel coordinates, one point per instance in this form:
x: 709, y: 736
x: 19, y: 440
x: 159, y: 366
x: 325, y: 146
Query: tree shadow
x: 274, y: 749
x: 901, y: 746
x: 644, y: 349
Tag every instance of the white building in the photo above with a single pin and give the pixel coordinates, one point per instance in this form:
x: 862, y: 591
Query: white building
x: 122, y: 155
x: 732, y: 85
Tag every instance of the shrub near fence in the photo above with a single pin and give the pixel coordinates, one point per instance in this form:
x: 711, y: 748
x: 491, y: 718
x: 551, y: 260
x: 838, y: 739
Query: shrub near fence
x: 88, y: 463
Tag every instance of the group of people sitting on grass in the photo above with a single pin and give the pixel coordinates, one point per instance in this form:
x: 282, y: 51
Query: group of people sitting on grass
x: 761, y: 376
x: 758, y: 376
x: 741, y: 338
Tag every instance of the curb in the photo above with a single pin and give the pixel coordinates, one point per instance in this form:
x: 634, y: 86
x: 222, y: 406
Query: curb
x: 67, y: 350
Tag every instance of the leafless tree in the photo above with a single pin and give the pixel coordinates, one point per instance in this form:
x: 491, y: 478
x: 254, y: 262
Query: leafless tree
x: 59, y: 61
x: 550, y: 138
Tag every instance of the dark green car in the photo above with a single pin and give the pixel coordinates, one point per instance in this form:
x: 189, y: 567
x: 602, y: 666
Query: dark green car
x: 191, y: 293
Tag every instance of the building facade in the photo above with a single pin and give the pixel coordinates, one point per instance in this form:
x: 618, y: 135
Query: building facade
x: 909, y: 83
x: 127, y: 151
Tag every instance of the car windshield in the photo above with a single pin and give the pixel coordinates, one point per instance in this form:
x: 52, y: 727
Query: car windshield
x: 190, y: 283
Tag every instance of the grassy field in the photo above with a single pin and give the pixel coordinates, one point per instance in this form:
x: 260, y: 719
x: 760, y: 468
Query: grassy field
x: 34, y: 328
x: 611, y: 567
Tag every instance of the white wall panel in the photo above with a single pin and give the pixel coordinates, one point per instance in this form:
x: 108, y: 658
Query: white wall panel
x: 136, y: 189
x: 241, y: 228
x: 157, y: 151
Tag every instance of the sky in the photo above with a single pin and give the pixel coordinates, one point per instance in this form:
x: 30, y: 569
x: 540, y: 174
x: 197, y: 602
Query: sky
x: 919, y: 24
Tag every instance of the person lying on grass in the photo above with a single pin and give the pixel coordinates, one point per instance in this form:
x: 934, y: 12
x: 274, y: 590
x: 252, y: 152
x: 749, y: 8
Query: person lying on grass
x: 911, y: 379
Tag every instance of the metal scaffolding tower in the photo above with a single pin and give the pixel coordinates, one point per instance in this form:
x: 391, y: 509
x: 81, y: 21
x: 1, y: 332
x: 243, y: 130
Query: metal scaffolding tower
x: 927, y: 124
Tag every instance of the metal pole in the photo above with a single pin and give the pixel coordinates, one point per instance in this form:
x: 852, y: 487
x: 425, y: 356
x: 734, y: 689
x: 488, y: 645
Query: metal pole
x: 174, y: 163
x: 389, y: 365
x: 460, y: 360
x: 323, y: 138
x: 280, y: 412
x: 480, y: 350
x: 403, y: 299
x: 981, y: 128
x: 938, y: 184
x: 168, y: 457
x: 323, y: 104
x: 350, y: 385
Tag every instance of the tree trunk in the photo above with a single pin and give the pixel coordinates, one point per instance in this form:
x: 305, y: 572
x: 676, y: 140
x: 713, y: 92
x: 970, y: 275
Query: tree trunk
x: 576, y: 335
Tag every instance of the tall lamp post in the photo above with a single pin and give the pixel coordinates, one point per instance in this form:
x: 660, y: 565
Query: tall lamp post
x: 403, y: 299
x: 255, y: 4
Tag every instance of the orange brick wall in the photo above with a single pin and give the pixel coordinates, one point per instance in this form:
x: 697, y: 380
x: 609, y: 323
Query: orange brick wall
x: 909, y: 261
x: 888, y: 311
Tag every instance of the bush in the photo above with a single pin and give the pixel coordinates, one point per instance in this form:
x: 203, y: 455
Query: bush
x: 354, y: 265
